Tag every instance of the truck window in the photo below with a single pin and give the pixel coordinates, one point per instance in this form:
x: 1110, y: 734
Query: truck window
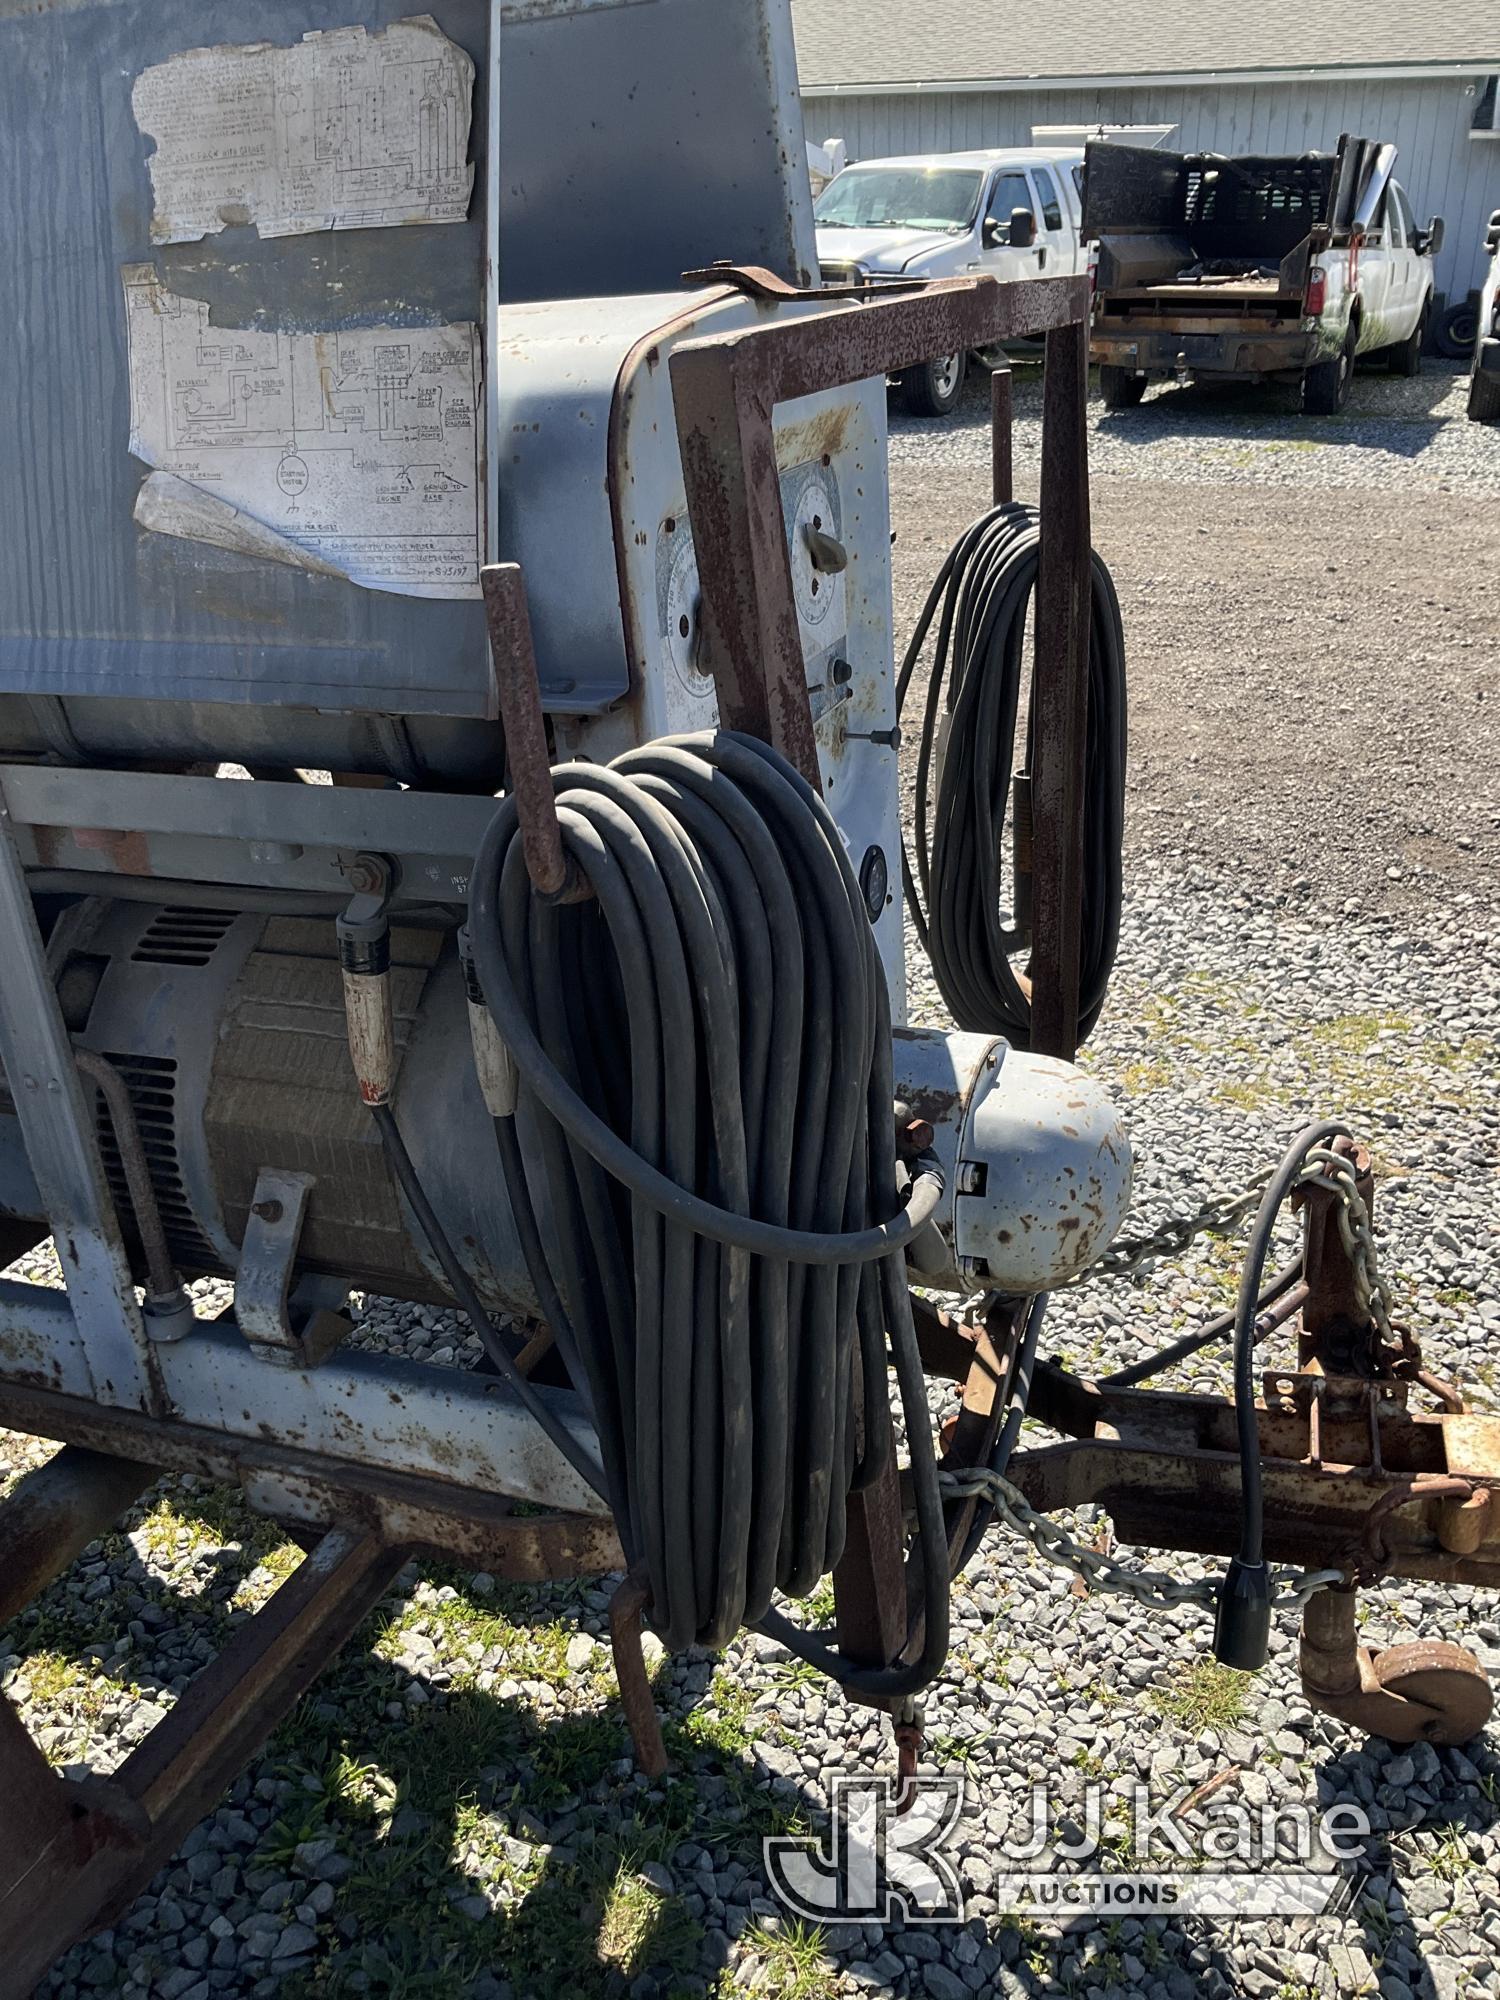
x: 1011, y: 190
x: 1046, y: 187
x: 900, y: 198
x: 1391, y: 222
x: 1403, y: 209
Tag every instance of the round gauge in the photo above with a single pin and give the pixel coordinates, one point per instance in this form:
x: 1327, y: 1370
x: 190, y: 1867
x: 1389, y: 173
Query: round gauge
x: 683, y: 615
x: 815, y: 590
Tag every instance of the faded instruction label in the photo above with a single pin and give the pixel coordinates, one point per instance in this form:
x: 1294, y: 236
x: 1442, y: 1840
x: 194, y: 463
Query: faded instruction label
x: 358, y: 451
x: 342, y: 130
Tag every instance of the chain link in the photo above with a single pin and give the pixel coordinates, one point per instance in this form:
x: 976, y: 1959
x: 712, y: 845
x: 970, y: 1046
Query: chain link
x: 1326, y: 1168
x: 1152, y: 1589
x: 1221, y: 1213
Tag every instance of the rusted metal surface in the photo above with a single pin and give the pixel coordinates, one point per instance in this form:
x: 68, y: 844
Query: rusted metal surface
x: 72, y: 1857
x: 725, y: 389
x: 1203, y: 346
x: 945, y: 1344
x: 54, y: 1512
x: 526, y: 752
x: 1002, y: 426
x: 626, y: 1609
x: 1063, y: 602
x: 1167, y: 1468
x: 440, y: 1517
x: 970, y: 1438
x: 869, y: 1580
x: 1426, y: 1691
x: 1338, y: 1336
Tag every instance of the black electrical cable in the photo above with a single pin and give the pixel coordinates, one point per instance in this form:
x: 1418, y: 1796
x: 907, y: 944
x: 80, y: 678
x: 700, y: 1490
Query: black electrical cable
x: 1246, y: 1312
x: 1214, y: 1330
x: 953, y: 871
x: 462, y: 1286
x: 707, y: 1098
x: 1005, y: 1444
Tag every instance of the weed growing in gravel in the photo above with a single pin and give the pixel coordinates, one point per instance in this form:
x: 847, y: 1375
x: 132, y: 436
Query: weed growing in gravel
x: 1205, y: 1695
x: 796, y: 1966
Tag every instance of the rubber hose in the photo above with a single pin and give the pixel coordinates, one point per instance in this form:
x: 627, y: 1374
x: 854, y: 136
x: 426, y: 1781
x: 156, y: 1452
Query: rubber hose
x: 952, y: 870
x: 1246, y: 1312
x: 707, y: 1106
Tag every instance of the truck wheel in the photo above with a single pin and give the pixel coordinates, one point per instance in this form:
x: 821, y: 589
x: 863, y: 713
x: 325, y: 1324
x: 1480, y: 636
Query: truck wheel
x: 1405, y: 358
x: 1458, y: 329
x: 1325, y: 386
x: 1121, y: 388
x: 1484, y: 398
x: 932, y: 388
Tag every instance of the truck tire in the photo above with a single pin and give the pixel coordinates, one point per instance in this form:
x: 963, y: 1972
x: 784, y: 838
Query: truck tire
x: 1121, y: 388
x: 1325, y: 386
x: 1458, y: 329
x: 1405, y: 358
x: 932, y: 388
x: 1484, y: 398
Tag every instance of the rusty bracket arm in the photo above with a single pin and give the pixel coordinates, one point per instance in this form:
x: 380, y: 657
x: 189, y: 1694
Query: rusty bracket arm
x: 554, y: 876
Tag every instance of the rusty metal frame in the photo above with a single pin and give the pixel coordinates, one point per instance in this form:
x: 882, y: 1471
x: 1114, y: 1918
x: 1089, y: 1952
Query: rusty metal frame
x: 73, y: 1854
x: 725, y: 389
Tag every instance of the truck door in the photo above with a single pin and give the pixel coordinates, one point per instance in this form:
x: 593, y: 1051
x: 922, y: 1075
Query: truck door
x: 1011, y: 190
x: 1055, y: 231
x: 1408, y: 277
x: 1375, y: 278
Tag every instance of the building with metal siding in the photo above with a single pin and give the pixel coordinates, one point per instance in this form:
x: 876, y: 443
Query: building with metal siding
x: 1439, y: 111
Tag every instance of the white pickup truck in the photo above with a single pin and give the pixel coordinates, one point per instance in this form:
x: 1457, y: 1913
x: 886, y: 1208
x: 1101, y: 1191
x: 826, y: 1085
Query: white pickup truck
x: 1258, y: 267
x: 1484, y: 382
x: 1015, y: 213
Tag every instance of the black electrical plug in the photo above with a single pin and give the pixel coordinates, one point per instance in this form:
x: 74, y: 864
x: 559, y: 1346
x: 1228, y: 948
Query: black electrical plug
x: 1242, y: 1622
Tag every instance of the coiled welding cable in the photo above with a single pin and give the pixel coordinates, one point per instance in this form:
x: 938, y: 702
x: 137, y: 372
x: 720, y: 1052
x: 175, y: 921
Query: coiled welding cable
x: 706, y: 1123
x: 952, y: 870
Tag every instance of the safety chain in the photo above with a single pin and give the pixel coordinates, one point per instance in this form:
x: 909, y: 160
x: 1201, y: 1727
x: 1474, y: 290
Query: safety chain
x: 1323, y: 1168
x: 1290, y: 1589
x: 1126, y: 1256
x: 1326, y: 1168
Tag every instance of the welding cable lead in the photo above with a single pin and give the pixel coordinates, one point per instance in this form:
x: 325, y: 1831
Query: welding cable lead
x: 1242, y: 1624
x: 704, y: 1054
x: 952, y: 868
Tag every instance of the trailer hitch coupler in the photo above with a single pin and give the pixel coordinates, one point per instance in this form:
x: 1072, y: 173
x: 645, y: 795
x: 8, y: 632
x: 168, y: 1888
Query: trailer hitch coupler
x: 1242, y: 1622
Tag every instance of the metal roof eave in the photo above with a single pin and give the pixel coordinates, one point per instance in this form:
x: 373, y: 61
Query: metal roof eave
x: 1158, y: 79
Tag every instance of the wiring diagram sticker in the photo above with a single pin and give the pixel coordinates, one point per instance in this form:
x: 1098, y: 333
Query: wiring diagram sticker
x: 349, y: 452
x: 342, y: 130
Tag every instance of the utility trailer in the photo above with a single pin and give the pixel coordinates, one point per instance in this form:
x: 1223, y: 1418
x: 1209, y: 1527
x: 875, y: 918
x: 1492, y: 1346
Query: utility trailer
x: 1254, y: 268
x: 576, y: 1000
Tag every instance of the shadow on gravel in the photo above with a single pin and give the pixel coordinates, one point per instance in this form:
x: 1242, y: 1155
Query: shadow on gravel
x: 1395, y: 1936
x: 1395, y: 415
x: 1384, y: 413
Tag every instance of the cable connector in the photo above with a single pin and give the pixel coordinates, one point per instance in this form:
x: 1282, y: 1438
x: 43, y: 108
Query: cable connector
x: 365, y: 961
x: 1242, y: 1620
x: 499, y: 1079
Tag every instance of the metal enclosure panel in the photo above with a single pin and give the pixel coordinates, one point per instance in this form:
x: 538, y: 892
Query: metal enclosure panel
x: 54, y: 1120
x: 592, y: 493
x: 642, y: 141
x: 91, y: 605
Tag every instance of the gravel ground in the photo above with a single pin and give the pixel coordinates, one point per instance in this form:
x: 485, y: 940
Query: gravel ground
x: 453, y: 1810
x: 1393, y: 432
